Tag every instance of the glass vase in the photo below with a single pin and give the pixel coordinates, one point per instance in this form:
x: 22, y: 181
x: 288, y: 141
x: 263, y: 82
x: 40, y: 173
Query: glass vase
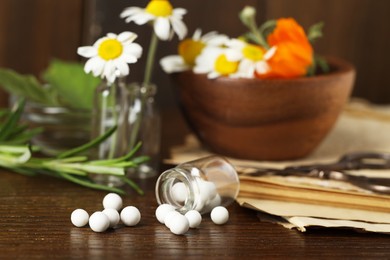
x: 145, y: 128
x: 62, y: 128
x: 132, y: 108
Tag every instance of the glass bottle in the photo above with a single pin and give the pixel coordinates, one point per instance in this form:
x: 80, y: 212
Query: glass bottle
x: 132, y: 108
x: 146, y: 127
x: 63, y: 128
x: 198, y: 185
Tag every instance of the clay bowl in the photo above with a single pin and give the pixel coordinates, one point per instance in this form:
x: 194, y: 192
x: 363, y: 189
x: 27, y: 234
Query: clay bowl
x: 275, y: 119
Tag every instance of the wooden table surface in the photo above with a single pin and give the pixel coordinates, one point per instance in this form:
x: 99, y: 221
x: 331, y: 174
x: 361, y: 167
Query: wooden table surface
x: 35, y: 223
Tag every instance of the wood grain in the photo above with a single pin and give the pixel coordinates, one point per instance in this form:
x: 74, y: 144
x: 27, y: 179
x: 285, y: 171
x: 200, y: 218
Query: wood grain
x: 32, y: 32
x: 35, y: 223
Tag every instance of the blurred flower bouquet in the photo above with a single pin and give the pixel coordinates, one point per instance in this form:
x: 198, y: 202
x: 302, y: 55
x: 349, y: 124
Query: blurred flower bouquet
x: 264, y: 95
x: 277, y: 49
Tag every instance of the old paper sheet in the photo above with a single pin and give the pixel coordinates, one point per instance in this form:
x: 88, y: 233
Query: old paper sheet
x: 361, y: 127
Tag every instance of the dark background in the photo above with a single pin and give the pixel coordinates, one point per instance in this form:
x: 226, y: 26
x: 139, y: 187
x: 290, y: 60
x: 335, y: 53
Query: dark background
x: 34, y: 31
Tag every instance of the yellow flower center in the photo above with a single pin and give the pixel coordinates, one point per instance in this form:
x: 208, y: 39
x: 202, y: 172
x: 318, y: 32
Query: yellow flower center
x: 190, y: 49
x: 253, y: 52
x: 159, y: 8
x: 225, y: 67
x: 110, y: 49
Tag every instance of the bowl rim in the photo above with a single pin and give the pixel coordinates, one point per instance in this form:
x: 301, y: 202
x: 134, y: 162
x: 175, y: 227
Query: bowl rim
x: 340, y: 66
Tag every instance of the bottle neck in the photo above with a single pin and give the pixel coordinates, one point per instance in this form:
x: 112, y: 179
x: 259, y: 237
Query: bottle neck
x: 164, y: 188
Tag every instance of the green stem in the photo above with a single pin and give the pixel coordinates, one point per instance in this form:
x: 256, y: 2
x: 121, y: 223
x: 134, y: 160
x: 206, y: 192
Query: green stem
x: 150, y: 58
x: 89, y: 184
x: 258, y: 35
x: 133, y: 185
x: 114, y: 137
x: 88, y: 145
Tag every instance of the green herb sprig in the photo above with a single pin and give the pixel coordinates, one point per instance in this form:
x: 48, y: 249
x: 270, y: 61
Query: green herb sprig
x: 17, y: 156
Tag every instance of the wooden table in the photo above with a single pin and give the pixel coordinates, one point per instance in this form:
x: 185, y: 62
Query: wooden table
x: 35, y: 223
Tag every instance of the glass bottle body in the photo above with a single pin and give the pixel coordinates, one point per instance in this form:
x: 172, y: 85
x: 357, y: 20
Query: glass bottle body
x: 207, y: 182
x: 132, y: 109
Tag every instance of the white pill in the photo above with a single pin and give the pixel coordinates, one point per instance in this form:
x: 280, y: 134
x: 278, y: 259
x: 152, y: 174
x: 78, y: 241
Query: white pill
x: 99, y: 222
x: 207, y: 190
x: 195, y: 172
x: 169, y: 218
x: 179, y: 192
x: 79, y: 217
x: 194, y: 218
x: 130, y: 216
x: 179, y: 225
x: 219, y: 215
x: 113, y: 216
x: 214, y: 202
x: 162, y: 211
x: 112, y: 201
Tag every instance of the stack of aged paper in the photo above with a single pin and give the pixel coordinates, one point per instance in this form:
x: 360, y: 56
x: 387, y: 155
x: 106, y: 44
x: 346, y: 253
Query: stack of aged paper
x: 297, y: 202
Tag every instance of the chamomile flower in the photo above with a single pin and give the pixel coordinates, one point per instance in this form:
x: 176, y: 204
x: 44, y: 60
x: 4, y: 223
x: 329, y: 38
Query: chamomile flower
x: 218, y: 61
x: 189, y: 49
x: 253, y: 57
x: 166, y: 19
x: 110, y: 55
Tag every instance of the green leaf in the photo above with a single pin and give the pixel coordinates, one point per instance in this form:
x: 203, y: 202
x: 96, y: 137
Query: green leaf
x: 9, y: 125
x: 74, y: 86
x: 315, y: 32
x: 88, y: 183
x: 267, y: 28
x: 26, y: 86
x: 319, y: 63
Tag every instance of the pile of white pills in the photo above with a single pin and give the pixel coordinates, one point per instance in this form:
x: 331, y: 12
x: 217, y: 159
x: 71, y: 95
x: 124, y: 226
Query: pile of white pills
x: 209, y: 197
x: 112, y: 214
x: 179, y: 224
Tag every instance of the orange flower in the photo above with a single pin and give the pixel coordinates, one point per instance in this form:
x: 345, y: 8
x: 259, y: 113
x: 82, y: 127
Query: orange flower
x: 294, y: 53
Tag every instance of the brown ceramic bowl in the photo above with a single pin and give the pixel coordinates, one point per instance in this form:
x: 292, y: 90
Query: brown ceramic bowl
x: 274, y: 119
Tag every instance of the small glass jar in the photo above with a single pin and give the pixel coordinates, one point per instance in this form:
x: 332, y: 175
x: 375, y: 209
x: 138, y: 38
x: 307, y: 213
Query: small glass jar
x: 198, y: 185
x: 63, y: 128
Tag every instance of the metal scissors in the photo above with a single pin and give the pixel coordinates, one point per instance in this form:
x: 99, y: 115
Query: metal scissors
x: 335, y: 171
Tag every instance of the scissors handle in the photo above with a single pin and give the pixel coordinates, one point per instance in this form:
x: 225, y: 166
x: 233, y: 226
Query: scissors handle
x: 365, y: 160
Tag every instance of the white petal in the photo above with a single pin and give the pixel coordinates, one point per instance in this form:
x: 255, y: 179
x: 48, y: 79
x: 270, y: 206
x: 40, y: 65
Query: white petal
x: 142, y: 18
x: 87, y: 51
x: 89, y: 66
x: 99, y: 41
x: 173, y: 63
x: 271, y: 52
x: 200, y: 70
x: 233, y: 55
x: 162, y: 28
x: 122, y: 67
x: 197, y: 34
x: 179, y: 12
x: 219, y: 40
x: 98, y: 67
x: 262, y: 67
x: 127, y: 37
x: 213, y: 75
x: 209, y: 36
x: 179, y: 27
x: 112, y: 35
x: 134, y: 49
x: 246, y: 69
x: 94, y: 65
x: 109, y: 71
x: 129, y: 11
x: 129, y: 58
